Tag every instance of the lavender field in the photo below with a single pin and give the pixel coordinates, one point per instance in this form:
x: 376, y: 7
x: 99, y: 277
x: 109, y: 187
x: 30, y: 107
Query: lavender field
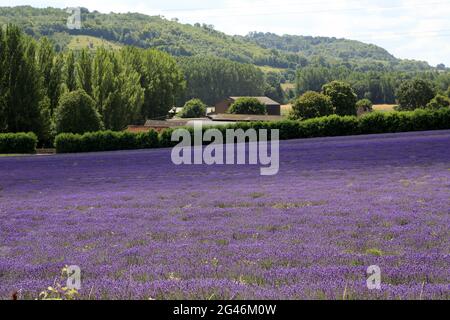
x: 142, y: 228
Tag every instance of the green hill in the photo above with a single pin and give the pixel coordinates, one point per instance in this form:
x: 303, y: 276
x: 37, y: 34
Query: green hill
x: 339, y: 49
x: 282, y: 52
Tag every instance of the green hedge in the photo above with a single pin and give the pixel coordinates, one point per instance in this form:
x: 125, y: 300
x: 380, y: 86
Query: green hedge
x: 330, y: 126
x: 105, y: 141
x: 19, y: 143
x: 376, y: 122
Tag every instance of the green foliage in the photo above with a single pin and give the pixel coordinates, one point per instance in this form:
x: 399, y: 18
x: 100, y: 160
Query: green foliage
x: 56, y: 83
x: 212, y: 79
x: 330, y: 126
x: 3, y: 83
x: 364, y: 106
x: 187, y: 40
x: 372, y: 71
x: 45, y: 55
x: 342, y: 97
x: 122, y: 83
x: 163, y: 82
x: 328, y: 48
x: 311, y: 105
x: 247, y: 105
x: 440, y: 101
x: 418, y: 120
x: 84, y: 72
x: 264, y: 49
x: 374, y: 252
x: 105, y: 141
x: 69, y: 72
x: 377, y: 85
x: 370, y: 123
x: 312, y: 79
x: 334, y: 125
x: 58, y: 291
x: 135, y: 84
x: 18, y: 143
x: 415, y: 94
x: 117, y: 89
x: 194, y: 108
x: 20, y: 89
x: 76, y: 113
x: 273, y: 88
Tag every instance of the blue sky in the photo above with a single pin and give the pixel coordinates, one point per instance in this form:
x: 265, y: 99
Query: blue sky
x: 413, y: 29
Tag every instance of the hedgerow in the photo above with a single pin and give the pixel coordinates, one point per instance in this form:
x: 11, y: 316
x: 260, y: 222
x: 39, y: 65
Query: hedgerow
x: 105, y: 141
x: 19, y: 143
x: 376, y: 122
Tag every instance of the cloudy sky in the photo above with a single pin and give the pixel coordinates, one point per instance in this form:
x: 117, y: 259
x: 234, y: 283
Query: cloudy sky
x: 413, y: 29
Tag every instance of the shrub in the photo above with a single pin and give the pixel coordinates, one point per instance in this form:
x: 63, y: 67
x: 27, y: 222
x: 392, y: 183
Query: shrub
x: 248, y: 106
x: 342, y: 97
x: 68, y: 143
x: 374, y: 123
x: 18, y: 143
x: 328, y: 126
x: 147, y: 140
x: 311, y: 105
x: 165, y: 139
x: 417, y: 120
x: 438, y: 102
x: 414, y: 94
x: 364, y: 106
x: 76, y: 113
x: 105, y: 141
x: 194, y: 108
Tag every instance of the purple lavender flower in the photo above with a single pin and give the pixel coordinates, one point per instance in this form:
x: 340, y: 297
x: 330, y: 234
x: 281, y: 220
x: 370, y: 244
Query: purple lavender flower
x: 140, y: 227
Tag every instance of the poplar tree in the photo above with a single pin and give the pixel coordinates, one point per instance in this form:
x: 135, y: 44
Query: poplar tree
x: 55, y: 85
x: 3, y: 88
x: 103, y: 83
x: 45, y: 56
x: 70, y: 78
x: 21, y: 95
x: 116, y: 89
x: 131, y: 96
x: 84, y: 72
x: 163, y: 82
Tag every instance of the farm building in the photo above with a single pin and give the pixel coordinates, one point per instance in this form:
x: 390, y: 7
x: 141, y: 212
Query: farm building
x: 273, y: 107
x: 156, y: 125
x: 233, y: 118
x: 210, y: 120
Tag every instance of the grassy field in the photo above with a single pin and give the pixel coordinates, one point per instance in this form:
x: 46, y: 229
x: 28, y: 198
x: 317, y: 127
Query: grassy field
x: 288, y: 86
x: 286, y: 109
x: 92, y: 43
x: 267, y: 69
x: 384, y: 107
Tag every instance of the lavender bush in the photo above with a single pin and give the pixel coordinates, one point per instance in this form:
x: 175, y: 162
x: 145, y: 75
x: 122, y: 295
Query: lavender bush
x: 141, y: 228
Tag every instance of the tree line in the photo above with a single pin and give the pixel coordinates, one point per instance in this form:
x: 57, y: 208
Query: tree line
x: 380, y: 87
x: 130, y: 85
x: 127, y: 86
x: 212, y: 79
x: 339, y: 98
